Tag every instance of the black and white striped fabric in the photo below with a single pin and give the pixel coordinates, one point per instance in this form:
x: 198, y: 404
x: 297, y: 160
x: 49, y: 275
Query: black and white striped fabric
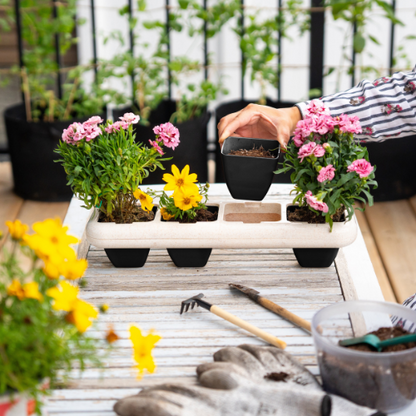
x: 386, y: 107
x: 408, y: 326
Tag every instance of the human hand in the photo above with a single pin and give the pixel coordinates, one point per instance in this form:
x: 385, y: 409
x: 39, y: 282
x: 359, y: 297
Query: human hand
x: 242, y: 381
x: 259, y: 121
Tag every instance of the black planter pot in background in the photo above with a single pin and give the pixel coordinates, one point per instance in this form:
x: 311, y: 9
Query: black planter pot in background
x: 192, y: 149
x: 232, y: 107
x: 249, y: 177
x: 127, y: 257
x: 31, y: 145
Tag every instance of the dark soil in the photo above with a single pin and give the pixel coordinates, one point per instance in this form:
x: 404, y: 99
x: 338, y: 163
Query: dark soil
x: 383, y: 334
x: 304, y: 214
x: 277, y: 376
x: 202, y: 215
x: 136, y: 215
x: 254, y: 152
x: 387, y: 386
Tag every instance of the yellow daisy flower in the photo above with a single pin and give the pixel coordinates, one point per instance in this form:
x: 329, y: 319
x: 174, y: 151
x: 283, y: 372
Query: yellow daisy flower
x: 27, y: 291
x: 185, y: 201
x: 74, y: 269
x: 17, y: 229
x: 145, y: 200
x: 80, y: 312
x: 165, y: 215
x: 180, y: 181
x: 142, y: 347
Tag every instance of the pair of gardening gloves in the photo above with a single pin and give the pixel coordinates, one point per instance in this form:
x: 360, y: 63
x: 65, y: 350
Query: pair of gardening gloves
x: 243, y: 381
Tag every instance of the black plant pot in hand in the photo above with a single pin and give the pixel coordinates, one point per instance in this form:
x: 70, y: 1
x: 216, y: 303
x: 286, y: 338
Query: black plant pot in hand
x: 192, y: 149
x: 249, y: 177
x: 31, y: 145
x: 232, y: 107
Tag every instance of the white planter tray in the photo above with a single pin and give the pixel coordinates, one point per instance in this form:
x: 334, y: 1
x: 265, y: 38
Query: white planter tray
x: 229, y: 231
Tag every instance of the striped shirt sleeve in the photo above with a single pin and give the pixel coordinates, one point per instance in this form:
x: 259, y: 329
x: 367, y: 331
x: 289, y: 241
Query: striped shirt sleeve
x: 386, y: 107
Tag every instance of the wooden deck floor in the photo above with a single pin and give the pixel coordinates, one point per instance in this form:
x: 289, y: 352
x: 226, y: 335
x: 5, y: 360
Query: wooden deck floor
x: 389, y: 230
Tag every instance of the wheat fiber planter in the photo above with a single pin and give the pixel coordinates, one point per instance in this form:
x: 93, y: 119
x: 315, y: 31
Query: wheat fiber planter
x: 239, y: 225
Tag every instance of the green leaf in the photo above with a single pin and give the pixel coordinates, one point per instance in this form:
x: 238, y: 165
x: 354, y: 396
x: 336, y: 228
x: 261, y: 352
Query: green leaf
x: 358, y: 42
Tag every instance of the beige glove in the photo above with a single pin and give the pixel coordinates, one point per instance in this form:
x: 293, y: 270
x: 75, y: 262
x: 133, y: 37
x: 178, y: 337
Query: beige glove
x: 241, y: 383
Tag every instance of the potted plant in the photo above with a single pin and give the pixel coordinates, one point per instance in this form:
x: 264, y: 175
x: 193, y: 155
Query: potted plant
x: 43, y: 322
x: 53, y: 97
x: 330, y: 172
x: 187, y: 206
x: 249, y: 166
x: 105, y: 166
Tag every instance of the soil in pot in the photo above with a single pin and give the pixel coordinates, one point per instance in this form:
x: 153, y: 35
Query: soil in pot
x: 129, y: 257
x: 384, y: 387
x: 194, y: 257
x: 254, y: 152
x: 313, y: 257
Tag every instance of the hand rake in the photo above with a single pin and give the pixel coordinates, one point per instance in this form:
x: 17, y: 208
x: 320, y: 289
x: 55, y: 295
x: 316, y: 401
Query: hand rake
x: 231, y: 318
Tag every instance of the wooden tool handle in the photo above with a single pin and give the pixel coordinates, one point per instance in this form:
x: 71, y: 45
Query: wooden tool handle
x: 248, y: 327
x: 284, y: 313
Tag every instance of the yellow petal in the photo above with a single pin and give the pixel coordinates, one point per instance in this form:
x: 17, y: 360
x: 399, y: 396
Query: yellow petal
x: 32, y: 291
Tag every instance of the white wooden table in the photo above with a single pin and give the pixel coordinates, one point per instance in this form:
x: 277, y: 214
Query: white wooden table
x: 150, y: 297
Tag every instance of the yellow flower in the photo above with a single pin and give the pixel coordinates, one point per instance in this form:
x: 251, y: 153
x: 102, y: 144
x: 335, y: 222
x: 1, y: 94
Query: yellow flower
x: 17, y: 229
x: 74, y: 269
x: 180, y: 181
x: 145, y: 200
x: 185, y: 201
x: 79, y: 311
x: 104, y: 308
x: 165, y: 215
x: 142, y: 347
x: 27, y: 291
x: 51, y: 270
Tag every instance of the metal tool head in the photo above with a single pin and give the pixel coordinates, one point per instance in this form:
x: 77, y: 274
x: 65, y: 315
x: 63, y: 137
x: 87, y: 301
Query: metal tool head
x: 195, y: 300
x: 251, y: 293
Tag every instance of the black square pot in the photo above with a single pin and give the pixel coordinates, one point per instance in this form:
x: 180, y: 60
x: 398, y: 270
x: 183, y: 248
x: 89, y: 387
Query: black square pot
x: 249, y: 177
x: 315, y: 257
x: 127, y: 257
x: 189, y: 257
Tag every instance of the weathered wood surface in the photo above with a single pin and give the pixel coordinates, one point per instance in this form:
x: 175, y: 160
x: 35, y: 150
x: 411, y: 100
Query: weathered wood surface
x: 150, y: 297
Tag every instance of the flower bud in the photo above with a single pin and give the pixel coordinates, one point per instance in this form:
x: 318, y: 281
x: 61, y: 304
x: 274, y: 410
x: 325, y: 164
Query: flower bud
x: 120, y: 152
x: 318, y: 168
x: 87, y: 148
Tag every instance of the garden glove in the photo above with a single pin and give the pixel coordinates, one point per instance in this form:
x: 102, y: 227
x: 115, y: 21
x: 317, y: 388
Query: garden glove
x: 242, y: 381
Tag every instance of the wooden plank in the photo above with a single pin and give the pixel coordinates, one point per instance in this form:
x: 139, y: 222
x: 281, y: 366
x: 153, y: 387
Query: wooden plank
x: 376, y: 260
x: 33, y: 211
x: 10, y: 203
x: 393, y: 225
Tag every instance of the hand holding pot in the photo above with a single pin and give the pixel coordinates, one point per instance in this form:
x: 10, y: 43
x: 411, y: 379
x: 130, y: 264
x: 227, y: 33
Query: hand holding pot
x: 261, y: 122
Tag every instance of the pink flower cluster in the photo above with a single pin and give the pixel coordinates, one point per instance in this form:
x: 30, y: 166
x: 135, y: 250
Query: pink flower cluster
x: 126, y: 120
x: 326, y: 174
x: 319, y: 122
x: 315, y: 203
x: 78, y: 131
x: 310, y: 149
x: 166, y: 133
x: 362, y: 167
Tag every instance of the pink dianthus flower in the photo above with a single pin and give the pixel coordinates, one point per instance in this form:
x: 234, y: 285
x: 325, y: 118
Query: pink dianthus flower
x: 349, y: 124
x: 91, y: 131
x: 155, y: 144
x: 315, y: 203
x: 93, y: 121
x: 361, y: 166
x: 317, y: 108
x: 326, y: 174
x: 310, y: 149
x: 168, y: 133
x: 74, y: 133
x: 129, y: 118
x: 115, y: 127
